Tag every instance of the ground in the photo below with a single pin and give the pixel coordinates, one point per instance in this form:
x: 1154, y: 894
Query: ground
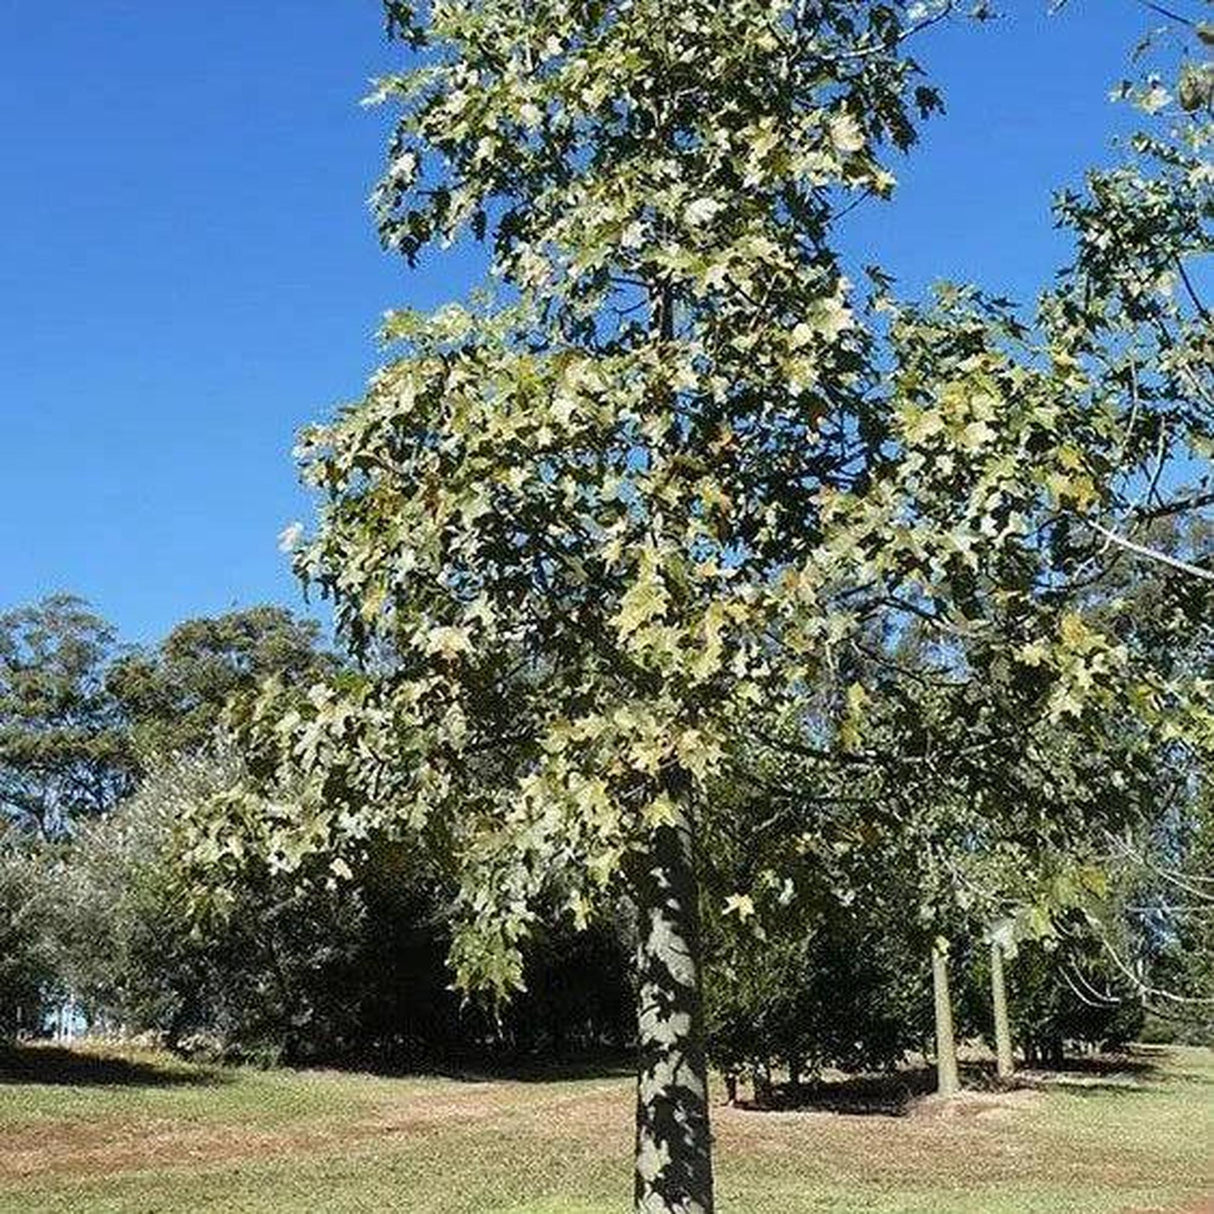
x: 135, y: 1133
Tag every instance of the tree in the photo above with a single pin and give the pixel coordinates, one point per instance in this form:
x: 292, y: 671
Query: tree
x: 947, y: 1083
x: 584, y: 534
x: 814, y: 955
x: 27, y: 951
x: 1004, y: 1061
x: 65, y: 749
x: 1131, y: 316
x: 286, y: 976
x: 175, y: 694
x: 562, y: 525
x: 298, y: 971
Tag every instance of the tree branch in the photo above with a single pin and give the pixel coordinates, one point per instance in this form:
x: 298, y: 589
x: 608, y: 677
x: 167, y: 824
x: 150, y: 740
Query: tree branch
x: 1154, y: 554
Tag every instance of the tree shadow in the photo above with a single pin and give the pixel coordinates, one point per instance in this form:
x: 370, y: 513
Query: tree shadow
x: 895, y: 1093
x: 882, y: 1095
x: 55, y: 1066
x: 490, y: 1066
x: 572, y: 1070
x: 1109, y: 1064
x: 1098, y: 1073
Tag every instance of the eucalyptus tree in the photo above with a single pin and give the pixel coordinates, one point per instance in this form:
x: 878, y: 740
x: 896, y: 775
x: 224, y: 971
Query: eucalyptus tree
x: 65, y: 744
x: 174, y: 693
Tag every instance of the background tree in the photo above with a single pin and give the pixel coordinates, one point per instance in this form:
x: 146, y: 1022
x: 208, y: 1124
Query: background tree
x: 298, y: 970
x: 176, y: 692
x: 65, y: 747
x: 28, y: 956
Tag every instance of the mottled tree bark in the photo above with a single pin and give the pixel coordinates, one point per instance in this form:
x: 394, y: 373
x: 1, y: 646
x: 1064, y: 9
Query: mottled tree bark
x: 947, y: 1083
x: 1004, y: 1063
x: 673, y: 1143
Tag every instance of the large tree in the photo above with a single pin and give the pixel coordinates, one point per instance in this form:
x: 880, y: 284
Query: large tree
x: 65, y: 748
x: 557, y: 522
x: 586, y: 529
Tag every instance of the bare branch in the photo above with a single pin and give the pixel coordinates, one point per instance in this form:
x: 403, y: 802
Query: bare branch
x: 1154, y: 554
x: 1202, y: 310
x: 1168, y: 13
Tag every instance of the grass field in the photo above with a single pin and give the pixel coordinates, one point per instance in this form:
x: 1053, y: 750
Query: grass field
x: 137, y: 1134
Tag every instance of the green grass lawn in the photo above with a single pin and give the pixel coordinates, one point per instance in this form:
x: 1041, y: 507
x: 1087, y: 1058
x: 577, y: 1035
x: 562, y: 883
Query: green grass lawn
x: 138, y: 1133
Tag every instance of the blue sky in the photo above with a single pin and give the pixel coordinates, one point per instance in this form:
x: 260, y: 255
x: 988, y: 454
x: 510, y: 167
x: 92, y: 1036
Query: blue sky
x: 188, y: 272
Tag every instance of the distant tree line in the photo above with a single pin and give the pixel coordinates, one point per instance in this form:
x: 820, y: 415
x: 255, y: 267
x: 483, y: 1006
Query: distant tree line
x: 107, y: 751
x: 104, y: 751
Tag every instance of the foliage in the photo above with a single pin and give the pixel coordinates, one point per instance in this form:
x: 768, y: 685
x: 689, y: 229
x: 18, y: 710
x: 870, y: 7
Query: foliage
x: 564, y: 518
x: 1157, y: 923
x: 64, y: 748
x: 175, y: 693
x: 132, y: 950
x: 28, y: 971
x: 841, y: 992
x: 1066, y: 991
x: 295, y: 971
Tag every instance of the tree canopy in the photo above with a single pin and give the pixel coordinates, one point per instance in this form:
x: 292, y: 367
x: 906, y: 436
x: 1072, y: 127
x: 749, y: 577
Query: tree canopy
x: 672, y: 496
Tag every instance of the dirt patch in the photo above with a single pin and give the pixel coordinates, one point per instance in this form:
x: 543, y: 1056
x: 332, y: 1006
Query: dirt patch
x: 1202, y: 1207
x: 388, y: 1116
x: 974, y: 1104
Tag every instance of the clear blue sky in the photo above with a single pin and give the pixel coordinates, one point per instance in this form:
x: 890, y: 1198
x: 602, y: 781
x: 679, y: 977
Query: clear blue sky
x: 188, y: 272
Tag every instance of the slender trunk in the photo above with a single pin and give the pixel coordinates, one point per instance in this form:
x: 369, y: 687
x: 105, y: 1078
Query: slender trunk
x: 761, y: 1083
x: 1004, y: 1064
x: 946, y: 1045
x: 673, y: 1143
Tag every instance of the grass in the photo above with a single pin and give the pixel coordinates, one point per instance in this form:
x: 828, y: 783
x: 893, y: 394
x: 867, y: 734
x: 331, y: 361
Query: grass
x: 131, y: 1133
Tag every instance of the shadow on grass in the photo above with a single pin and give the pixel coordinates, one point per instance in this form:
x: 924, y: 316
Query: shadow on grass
x: 1137, y: 1064
x: 573, y: 1070
x: 490, y: 1067
x: 1180, y: 1063
x: 58, y: 1067
x: 1124, y: 1072
x: 896, y: 1094
x: 892, y: 1095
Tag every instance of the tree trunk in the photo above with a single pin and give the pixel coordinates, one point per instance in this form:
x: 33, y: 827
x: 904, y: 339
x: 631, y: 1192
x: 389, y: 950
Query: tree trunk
x: 946, y: 1046
x: 1004, y: 1064
x: 731, y: 1089
x: 760, y: 1081
x: 1057, y: 1054
x: 673, y: 1143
